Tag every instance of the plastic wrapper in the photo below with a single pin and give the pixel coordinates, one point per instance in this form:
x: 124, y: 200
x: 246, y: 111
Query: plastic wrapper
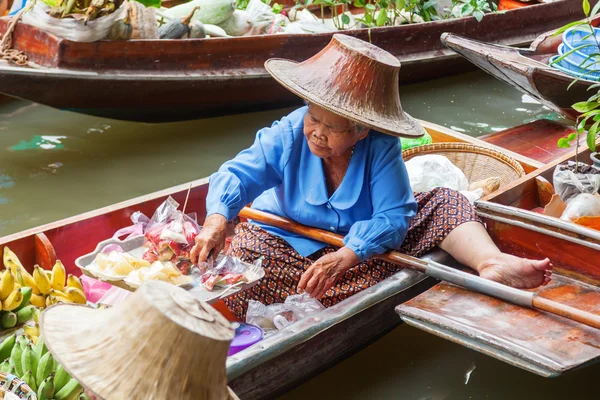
x: 170, y: 236
x: 279, y: 315
x: 227, y: 271
x: 114, y: 296
x: 569, y: 184
x: 70, y: 28
x: 431, y: 171
x: 94, y: 289
x: 264, y: 20
x: 583, y: 205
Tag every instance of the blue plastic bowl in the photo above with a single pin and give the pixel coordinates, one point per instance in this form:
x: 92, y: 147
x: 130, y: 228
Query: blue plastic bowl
x: 577, y: 61
x: 573, y: 38
x: 564, y: 67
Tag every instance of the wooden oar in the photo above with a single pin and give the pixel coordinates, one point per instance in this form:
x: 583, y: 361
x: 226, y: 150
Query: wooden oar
x: 437, y: 270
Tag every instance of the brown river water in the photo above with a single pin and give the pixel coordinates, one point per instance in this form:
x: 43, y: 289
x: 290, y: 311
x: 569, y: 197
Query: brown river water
x: 55, y: 164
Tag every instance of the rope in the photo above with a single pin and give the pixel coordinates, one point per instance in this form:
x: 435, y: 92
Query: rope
x: 6, y: 52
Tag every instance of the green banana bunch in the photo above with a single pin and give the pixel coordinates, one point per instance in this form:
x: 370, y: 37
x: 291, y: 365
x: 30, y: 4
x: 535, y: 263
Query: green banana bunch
x: 29, y: 359
x: 6, y: 346
x: 45, y: 367
x: 16, y: 359
x: 61, y: 378
x: 70, y: 391
x: 29, y: 380
x: 46, y: 389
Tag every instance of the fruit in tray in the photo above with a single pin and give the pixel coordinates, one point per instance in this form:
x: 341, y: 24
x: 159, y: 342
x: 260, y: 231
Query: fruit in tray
x: 209, y: 281
x: 163, y: 271
x: 118, y: 263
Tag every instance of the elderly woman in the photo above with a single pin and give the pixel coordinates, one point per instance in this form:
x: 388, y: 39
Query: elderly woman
x: 336, y: 164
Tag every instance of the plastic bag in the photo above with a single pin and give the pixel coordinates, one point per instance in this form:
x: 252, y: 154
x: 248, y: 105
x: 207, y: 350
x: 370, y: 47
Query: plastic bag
x: 140, y: 221
x: 280, y: 315
x: 431, y: 171
x: 568, y: 184
x: 93, y: 288
x: 70, y: 28
x: 228, y: 271
x: 170, y: 236
x: 583, y: 205
x: 264, y: 20
x: 114, y: 296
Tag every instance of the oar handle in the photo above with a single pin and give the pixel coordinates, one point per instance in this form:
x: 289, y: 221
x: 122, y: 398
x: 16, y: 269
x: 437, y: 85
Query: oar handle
x: 572, y: 313
x: 436, y: 270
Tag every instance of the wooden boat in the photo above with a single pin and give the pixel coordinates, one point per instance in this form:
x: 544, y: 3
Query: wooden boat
x: 279, y: 362
x: 152, y: 80
x: 527, y: 69
x: 534, y: 341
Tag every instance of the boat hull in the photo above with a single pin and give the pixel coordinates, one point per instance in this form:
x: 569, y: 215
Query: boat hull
x: 165, y: 80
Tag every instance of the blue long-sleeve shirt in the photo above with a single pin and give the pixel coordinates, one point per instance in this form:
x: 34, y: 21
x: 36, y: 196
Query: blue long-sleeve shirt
x: 372, y: 207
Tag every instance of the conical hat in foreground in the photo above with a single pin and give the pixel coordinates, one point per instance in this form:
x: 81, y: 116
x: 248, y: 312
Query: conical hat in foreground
x: 160, y: 343
x: 353, y: 79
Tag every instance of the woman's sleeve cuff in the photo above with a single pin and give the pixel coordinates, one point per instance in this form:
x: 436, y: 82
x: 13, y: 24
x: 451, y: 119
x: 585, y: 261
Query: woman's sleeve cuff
x: 221, y: 208
x: 358, y: 246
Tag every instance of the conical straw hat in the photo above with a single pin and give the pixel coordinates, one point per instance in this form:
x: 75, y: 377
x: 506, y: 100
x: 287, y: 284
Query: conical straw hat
x: 160, y: 343
x: 353, y: 79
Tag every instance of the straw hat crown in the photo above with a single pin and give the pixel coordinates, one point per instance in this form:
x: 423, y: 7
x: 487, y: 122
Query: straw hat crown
x: 160, y: 343
x: 353, y: 79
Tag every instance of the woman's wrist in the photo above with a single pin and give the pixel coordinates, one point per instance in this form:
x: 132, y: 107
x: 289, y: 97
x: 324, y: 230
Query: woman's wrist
x: 349, y: 257
x: 216, y: 221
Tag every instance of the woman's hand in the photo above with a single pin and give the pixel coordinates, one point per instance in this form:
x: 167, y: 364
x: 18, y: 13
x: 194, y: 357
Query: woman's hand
x: 324, y: 273
x: 210, y: 239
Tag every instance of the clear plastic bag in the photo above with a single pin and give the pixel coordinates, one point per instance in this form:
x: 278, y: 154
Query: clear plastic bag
x: 70, y: 28
x: 170, y: 236
x: 431, y: 171
x: 569, y: 184
x: 264, y: 20
x: 280, y: 315
x: 583, y: 205
x: 228, y: 271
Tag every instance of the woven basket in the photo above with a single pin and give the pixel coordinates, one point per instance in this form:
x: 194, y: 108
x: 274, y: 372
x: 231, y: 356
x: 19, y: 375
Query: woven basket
x: 476, y: 162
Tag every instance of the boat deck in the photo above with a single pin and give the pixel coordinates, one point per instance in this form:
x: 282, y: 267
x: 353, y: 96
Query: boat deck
x: 536, y: 140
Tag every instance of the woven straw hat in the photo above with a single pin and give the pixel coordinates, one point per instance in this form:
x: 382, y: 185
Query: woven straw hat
x: 160, y: 343
x: 353, y: 79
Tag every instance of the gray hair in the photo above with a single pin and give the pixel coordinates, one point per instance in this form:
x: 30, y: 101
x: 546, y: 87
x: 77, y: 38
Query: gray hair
x: 356, y: 127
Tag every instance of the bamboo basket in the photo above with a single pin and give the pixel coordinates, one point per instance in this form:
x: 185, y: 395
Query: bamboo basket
x: 476, y: 162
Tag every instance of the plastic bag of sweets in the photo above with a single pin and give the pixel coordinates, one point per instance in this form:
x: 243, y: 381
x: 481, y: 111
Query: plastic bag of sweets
x: 170, y: 236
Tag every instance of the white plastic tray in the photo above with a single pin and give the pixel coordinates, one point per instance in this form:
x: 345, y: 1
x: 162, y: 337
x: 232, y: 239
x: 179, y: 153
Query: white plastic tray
x: 134, y: 247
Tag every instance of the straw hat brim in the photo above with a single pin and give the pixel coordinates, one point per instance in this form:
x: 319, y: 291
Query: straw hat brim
x: 63, y: 327
x: 406, y: 126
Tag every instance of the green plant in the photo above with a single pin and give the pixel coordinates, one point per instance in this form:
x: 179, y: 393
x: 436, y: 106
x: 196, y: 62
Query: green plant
x: 589, y: 109
x: 476, y: 8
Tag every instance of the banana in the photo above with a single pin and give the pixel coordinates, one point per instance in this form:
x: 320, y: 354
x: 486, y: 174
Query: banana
x: 15, y: 359
x: 25, y: 314
x: 70, y: 391
x: 40, y: 347
x: 11, y: 261
x: 7, y: 284
x: 41, y: 279
x: 32, y: 330
x: 13, y: 301
x: 61, y: 377
x: 7, y: 345
x: 58, y: 295
x: 22, y: 341
x: 27, y: 293
x: 73, y: 281
x: 45, y: 368
x: 25, y: 279
x: 46, y: 389
x: 38, y: 300
x: 35, y: 315
x: 29, y: 380
x: 29, y: 360
x: 49, y: 301
x: 58, y: 276
x: 83, y: 396
x: 8, y: 319
x: 5, y: 366
x: 76, y: 295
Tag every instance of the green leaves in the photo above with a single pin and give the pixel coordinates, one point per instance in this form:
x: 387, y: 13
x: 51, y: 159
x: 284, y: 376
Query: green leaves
x: 563, y: 143
x: 585, y: 106
x: 586, y: 8
x: 151, y: 3
x: 382, y: 18
x: 345, y: 19
x: 568, y: 26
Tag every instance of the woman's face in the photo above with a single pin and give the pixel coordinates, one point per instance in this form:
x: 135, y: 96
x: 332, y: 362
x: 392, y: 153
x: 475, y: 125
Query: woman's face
x: 329, y: 135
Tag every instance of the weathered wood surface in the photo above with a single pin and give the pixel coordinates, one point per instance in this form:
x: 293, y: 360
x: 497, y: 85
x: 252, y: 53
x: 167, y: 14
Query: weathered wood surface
x: 159, y: 80
x: 539, y: 342
x: 526, y: 69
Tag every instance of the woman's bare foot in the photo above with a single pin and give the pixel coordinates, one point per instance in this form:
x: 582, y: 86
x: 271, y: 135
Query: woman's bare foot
x: 517, y: 272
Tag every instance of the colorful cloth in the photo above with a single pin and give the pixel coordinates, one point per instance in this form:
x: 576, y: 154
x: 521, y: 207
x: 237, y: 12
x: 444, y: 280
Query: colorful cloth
x: 372, y: 208
x: 439, y: 212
